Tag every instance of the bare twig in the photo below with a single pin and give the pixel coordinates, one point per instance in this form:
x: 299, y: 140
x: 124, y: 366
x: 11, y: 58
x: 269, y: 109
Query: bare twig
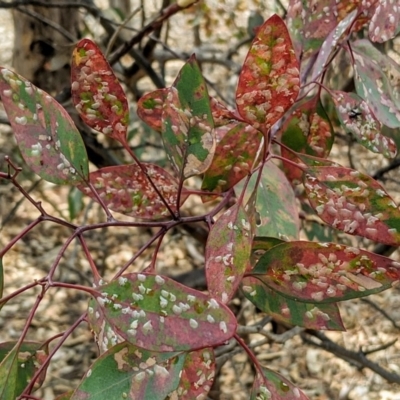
x: 281, y: 338
x: 382, y: 311
x: 11, y: 214
x: 235, y: 48
x: 47, y: 22
x: 66, y: 4
x: 174, y: 55
x: 147, y: 29
x: 119, y: 29
x: 202, y: 55
x: 357, y: 358
x: 87, y: 5
x: 380, y: 348
x: 380, y: 174
x: 384, y: 249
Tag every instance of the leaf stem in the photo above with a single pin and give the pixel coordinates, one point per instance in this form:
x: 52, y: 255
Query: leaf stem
x: 251, y: 355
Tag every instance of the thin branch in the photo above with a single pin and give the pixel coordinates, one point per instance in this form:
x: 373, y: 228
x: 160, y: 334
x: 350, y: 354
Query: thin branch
x: 283, y: 8
x: 357, y: 358
x: 11, y: 214
x: 48, y: 22
x: 235, y: 48
x: 281, y: 338
x: 88, y: 5
x: 140, y: 59
x: 202, y: 56
x: 384, y: 249
x: 115, y: 35
x: 382, y: 311
x: 156, y: 23
x: 381, y: 347
x: 382, y: 171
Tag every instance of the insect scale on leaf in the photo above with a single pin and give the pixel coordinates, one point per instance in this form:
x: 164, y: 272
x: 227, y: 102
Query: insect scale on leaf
x: 354, y: 113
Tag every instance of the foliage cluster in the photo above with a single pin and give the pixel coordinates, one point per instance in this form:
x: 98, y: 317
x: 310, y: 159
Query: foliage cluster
x: 259, y: 165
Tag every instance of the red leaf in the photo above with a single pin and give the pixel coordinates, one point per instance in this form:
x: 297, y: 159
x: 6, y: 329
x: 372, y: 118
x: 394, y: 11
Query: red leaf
x: 354, y: 203
x: 150, y: 107
x: 227, y: 253
x: 221, y: 114
x: 269, y: 80
x: 197, y: 375
x: 282, y: 308
x: 104, y: 335
x: 325, y: 272
x: 127, y: 190
x: 96, y: 92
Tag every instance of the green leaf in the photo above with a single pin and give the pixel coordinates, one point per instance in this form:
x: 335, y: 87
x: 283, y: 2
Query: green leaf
x: 75, y: 202
x: 159, y: 314
x: 65, y: 396
x: 129, y: 372
x: 9, y: 375
x: 291, y: 311
x: 188, y: 123
x: 308, y: 131
x: 234, y: 157
x: 324, y: 272
x: 315, y: 230
x: 49, y: 142
x: 275, y: 203
x: 18, y: 366
x: 261, y: 245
